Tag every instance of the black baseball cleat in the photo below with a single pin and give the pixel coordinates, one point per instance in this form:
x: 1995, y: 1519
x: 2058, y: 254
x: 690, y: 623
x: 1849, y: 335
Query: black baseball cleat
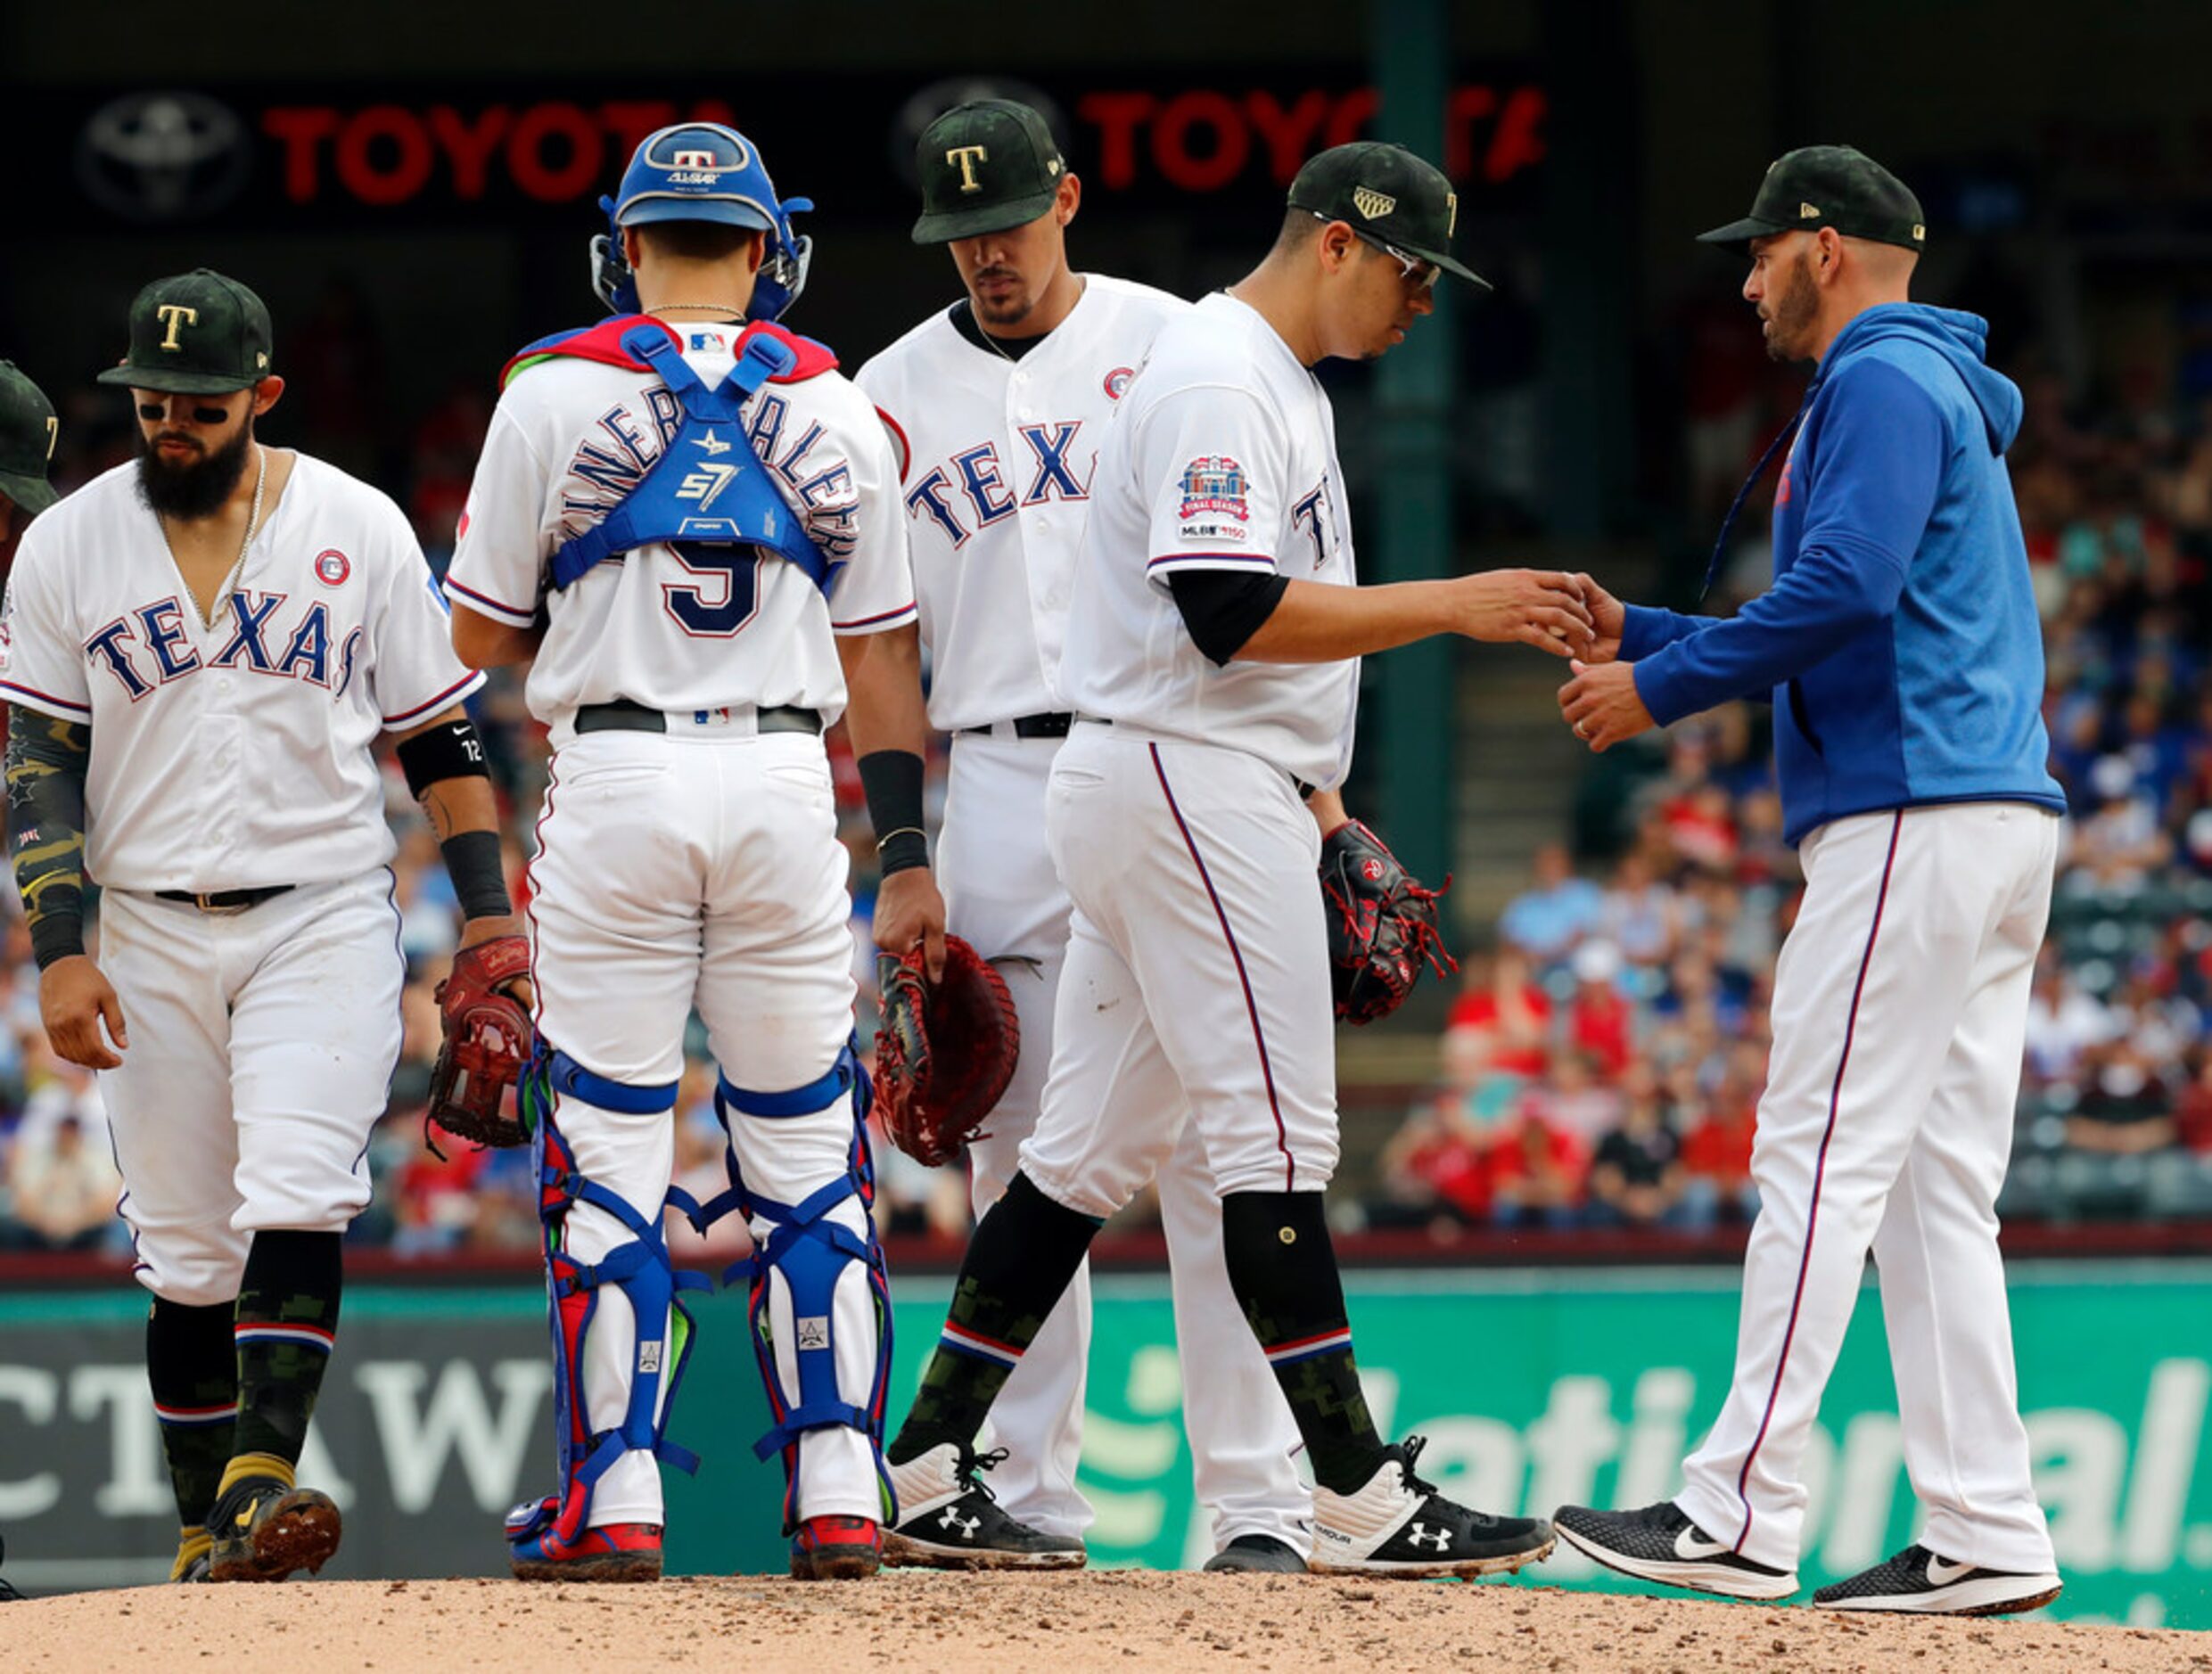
x: 8, y: 1594
x: 264, y: 1529
x: 1660, y: 1543
x: 1256, y: 1554
x: 949, y: 1521
x: 1917, y: 1579
x: 1400, y: 1527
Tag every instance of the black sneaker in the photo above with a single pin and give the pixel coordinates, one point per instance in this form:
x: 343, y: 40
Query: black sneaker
x: 1917, y: 1579
x: 1659, y: 1544
x: 1256, y: 1554
x: 1400, y: 1527
x: 948, y: 1519
x: 8, y: 1594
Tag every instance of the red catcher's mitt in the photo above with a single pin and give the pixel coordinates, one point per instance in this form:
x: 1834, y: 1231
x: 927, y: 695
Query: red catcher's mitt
x: 489, y: 1039
x: 1382, y: 924
x: 944, y: 1052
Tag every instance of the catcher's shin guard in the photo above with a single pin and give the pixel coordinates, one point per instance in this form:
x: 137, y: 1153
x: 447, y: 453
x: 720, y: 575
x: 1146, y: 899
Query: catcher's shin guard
x: 641, y: 1270
x: 802, y: 1302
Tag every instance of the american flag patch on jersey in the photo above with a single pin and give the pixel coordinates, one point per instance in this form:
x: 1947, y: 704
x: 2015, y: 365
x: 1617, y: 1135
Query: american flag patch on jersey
x: 1214, y: 482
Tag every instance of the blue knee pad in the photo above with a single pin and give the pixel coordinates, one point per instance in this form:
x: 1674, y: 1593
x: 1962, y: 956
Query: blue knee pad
x: 810, y: 1253
x: 640, y: 1268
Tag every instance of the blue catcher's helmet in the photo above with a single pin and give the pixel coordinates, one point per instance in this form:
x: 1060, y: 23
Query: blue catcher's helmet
x: 702, y: 171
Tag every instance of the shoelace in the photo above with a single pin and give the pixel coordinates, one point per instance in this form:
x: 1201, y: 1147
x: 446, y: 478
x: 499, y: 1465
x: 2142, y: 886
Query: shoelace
x: 973, y: 1465
x: 1408, y: 1452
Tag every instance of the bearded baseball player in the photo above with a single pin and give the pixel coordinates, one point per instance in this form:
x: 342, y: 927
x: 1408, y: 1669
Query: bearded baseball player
x: 1211, y: 657
x: 686, y: 522
x: 200, y: 649
x: 1901, y: 647
x: 1001, y: 402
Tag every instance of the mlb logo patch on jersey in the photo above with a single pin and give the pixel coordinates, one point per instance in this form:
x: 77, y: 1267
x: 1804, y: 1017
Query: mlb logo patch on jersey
x: 332, y: 566
x: 1214, y: 482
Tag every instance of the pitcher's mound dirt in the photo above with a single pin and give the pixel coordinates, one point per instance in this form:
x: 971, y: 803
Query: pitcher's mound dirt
x: 1068, y: 1624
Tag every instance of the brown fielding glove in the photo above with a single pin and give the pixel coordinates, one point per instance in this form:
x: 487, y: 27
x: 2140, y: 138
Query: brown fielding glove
x: 1382, y: 924
x: 943, y: 1054
x: 488, y: 1039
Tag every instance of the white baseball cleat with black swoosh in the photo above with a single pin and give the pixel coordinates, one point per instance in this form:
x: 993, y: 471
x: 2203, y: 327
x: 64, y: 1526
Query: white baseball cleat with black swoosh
x: 1919, y: 1580
x: 1658, y: 1543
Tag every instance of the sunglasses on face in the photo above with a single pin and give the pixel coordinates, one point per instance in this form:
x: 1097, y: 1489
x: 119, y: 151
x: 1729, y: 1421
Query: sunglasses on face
x: 157, y: 411
x: 1418, y: 273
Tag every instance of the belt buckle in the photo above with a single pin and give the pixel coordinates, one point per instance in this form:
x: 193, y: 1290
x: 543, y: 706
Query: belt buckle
x: 207, y: 903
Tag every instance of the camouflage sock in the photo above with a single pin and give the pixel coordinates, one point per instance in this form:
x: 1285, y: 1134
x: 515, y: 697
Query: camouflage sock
x: 286, y: 1323
x: 1283, y: 1269
x: 1021, y: 1260
x: 192, y: 1371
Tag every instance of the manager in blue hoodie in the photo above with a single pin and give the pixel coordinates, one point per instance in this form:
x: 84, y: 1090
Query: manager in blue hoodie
x: 1900, y: 646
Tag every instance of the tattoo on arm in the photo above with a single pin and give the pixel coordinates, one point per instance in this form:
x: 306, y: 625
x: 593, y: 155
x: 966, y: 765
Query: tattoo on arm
x: 46, y: 763
x: 442, y: 818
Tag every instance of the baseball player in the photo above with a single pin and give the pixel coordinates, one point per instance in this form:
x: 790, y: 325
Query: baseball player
x: 1211, y: 657
x: 200, y: 650
x: 685, y: 522
x: 1001, y: 402
x: 1900, y: 644
x: 27, y: 433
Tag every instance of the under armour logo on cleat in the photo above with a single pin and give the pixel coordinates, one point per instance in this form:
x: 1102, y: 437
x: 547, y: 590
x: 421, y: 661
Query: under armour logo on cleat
x: 966, y: 1526
x: 1421, y: 1535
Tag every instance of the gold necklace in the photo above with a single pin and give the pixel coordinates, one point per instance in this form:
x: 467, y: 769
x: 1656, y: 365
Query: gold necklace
x: 253, y: 524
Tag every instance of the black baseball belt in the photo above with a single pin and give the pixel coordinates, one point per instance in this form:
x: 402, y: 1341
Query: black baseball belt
x: 1050, y: 726
x: 622, y: 716
x: 224, y: 901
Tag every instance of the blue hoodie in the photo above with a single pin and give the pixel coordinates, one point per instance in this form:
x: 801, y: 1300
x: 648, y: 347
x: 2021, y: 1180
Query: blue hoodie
x: 1899, y: 641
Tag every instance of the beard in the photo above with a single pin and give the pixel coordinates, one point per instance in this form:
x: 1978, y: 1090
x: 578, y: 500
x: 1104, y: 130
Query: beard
x: 196, y: 488
x: 1789, y: 322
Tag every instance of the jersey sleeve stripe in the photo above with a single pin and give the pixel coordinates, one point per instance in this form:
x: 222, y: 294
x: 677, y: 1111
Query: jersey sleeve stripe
x: 878, y: 622
x: 1212, y: 560
x: 512, y: 615
x: 899, y: 435
x: 38, y: 699
x: 459, y: 689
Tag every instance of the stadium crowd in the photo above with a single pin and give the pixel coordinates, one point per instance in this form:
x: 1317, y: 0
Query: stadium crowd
x: 1602, y: 1061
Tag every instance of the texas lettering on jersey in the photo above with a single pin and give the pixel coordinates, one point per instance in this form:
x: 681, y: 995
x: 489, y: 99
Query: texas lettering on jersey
x: 975, y: 487
x: 149, y: 647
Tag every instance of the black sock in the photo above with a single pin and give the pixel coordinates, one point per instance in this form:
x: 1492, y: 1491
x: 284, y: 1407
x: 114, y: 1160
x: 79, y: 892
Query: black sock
x: 1283, y: 1270
x: 1020, y: 1263
x: 192, y: 1370
x: 286, y: 1323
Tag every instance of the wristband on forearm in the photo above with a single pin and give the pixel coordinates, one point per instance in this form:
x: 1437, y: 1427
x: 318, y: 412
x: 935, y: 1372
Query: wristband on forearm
x: 480, y: 881
x: 891, y: 780
x: 47, y: 764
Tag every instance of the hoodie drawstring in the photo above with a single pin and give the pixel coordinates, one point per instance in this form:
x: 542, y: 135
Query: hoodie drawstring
x: 1781, y: 440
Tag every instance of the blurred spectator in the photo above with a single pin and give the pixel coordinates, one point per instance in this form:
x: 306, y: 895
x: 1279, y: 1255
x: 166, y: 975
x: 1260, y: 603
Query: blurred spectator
x: 64, y: 1187
x: 1716, y: 1149
x: 1599, y: 1023
x: 1637, y: 1178
x: 1502, y: 1016
x: 1537, y: 1173
x: 1548, y: 920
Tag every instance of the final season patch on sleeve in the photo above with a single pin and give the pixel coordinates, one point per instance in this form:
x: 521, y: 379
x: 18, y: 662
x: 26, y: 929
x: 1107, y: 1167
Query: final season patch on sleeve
x: 1214, y: 491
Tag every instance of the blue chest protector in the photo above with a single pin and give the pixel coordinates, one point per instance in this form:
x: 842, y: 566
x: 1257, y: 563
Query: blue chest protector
x: 708, y: 487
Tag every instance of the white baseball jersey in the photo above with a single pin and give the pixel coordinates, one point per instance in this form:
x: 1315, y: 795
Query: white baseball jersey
x: 997, y: 484
x: 235, y: 756
x: 726, y: 627
x: 1221, y: 456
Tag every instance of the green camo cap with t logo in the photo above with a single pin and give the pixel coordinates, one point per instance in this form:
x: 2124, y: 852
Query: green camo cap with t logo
x: 1828, y: 185
x: 27, y: 433
x: 1388, y: 196
x: 986, y: 166
x: 197, y: 333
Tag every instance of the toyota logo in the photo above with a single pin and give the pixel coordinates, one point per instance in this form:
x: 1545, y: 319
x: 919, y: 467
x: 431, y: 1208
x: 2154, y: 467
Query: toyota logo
x: 163, y: 156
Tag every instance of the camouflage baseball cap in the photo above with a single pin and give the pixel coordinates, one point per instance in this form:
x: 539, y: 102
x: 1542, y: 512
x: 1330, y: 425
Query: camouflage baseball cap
x: 197, y: 333
x: 986, y: 166
x: 1389, y: 197
x: 27, y: 433
x: 1828, y: 185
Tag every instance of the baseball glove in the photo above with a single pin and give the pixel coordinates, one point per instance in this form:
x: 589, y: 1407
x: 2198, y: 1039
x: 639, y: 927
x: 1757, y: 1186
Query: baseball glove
x: 944, y: 1052
x: 489, y: 1039
x: 1382, y: 924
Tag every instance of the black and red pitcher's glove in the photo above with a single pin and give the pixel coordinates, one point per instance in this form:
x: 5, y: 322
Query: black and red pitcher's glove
x: 489, y: 1039
x: 1382, y: 924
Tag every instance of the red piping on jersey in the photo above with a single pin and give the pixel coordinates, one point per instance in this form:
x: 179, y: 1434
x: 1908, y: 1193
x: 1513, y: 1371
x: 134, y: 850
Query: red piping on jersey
x: 486, y: 599
x: 880, y: 616
x: 45, y: 697
x: 474, y: 675
x: 1820, y: 1172
x: 1252, y: 1008
x: 899, y: 435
